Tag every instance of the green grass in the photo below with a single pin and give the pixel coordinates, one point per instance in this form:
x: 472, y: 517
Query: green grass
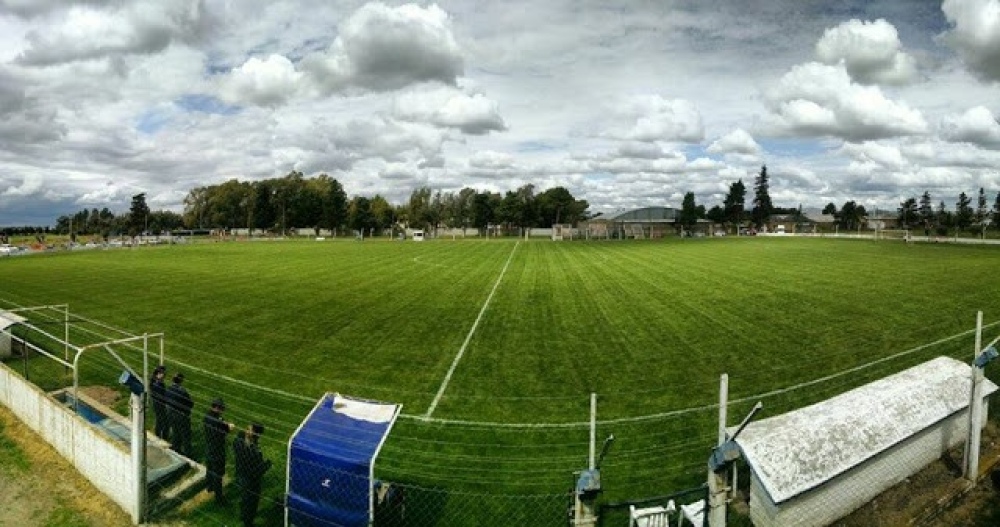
x: 12, y: 458
x: 648, y: 326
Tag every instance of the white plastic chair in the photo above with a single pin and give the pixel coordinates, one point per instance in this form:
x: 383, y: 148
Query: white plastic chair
x: 658, y: 516
x: 694, y: 513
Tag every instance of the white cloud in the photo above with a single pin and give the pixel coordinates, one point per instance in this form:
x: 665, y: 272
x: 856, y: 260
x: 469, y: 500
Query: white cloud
x: 141, y: 27
x: 24, y: 120
x: 888, y: 156
x: 975, y: 34
x: 640, y: 150
x: 489, y: 159
x: 654, y: 118
x: 449, y: 107
x: 820, y: 100
x: 736, y: 142
x: 32, y: 8
x: 398, y: 171
x: 384, y: 48
x: 870, y: 52
x: 268, y: 82
x: 977, y: 125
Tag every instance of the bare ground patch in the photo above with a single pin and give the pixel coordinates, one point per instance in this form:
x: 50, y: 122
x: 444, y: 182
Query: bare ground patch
x: 44, y: 488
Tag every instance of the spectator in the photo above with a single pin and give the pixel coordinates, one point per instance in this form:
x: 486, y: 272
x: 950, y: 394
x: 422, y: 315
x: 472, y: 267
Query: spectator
x: 250, y: 469
x: 158, y: 394
x: 216, y: 430
x: 179, y: 405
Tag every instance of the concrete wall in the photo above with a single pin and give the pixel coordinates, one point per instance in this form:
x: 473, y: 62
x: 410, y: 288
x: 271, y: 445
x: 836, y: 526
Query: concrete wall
x: 105, y: 462
x: 851, y: 490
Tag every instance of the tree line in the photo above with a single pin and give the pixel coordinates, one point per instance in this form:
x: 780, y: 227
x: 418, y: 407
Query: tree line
x: 295, y: 202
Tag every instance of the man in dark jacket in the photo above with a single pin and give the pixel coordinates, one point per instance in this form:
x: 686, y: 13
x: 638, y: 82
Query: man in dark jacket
x: 250, y: 469
x: 158, y: 394
x: 215, y: 449
x: 179, y: 406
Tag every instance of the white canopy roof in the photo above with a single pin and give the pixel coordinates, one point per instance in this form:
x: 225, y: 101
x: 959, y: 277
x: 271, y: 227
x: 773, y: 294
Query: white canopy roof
x: 799, y: 450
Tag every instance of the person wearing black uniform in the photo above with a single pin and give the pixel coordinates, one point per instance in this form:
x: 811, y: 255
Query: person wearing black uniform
x: 179, y: 406
x: 250, y: 469
x: 158, y: 394
x: 216, y: 431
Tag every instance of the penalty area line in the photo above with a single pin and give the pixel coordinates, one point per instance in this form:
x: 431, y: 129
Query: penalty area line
x: 468, y: 338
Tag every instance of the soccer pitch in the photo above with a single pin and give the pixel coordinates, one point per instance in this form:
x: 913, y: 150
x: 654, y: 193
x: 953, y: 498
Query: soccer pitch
x: 494, y: 347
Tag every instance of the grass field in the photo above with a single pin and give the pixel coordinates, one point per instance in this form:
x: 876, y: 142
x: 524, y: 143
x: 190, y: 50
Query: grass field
x: 648, y: 326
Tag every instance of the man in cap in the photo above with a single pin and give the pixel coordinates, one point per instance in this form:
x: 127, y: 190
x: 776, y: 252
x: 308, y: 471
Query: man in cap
x: 216, y: 430
x: 250, y: 469
x: 179, y: 405
x: 158, y: 394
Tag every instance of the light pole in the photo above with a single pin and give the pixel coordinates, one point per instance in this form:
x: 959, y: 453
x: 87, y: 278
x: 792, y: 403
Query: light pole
x: 983, y: 357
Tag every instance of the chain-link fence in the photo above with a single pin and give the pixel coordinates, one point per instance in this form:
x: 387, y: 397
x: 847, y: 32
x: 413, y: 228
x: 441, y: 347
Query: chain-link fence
x: 432, y: 474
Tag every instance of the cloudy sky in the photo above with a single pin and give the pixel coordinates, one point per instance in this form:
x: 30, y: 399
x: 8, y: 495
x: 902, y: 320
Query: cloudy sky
x: 626, y: 103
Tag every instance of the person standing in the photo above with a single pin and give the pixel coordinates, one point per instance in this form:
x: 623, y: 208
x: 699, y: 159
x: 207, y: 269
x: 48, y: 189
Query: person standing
x: 216, y: 430
x: 179, y: 405
x: 158, y: 394
x: 250, y: 469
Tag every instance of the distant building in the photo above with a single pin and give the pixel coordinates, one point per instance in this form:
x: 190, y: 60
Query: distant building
x: 647, y: 222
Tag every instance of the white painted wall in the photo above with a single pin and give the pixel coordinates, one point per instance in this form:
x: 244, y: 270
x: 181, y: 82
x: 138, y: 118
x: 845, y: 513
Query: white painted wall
x: 105, y: 462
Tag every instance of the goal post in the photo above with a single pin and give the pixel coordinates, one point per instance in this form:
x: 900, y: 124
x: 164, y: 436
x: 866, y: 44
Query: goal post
x: 894, y: 234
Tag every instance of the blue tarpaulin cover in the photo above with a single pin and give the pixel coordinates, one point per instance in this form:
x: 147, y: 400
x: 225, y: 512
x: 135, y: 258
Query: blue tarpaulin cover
x: 330, y: 462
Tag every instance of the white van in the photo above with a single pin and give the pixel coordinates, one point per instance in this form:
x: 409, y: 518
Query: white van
x: 418, y: 236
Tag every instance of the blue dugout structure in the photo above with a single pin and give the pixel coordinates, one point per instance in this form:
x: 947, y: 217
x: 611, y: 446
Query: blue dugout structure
x: 331, y: 462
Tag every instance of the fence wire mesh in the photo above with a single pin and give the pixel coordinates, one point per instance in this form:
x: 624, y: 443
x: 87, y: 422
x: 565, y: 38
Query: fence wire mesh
x: 435, y: 474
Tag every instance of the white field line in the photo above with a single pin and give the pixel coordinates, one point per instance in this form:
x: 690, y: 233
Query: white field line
x: 468, y: 338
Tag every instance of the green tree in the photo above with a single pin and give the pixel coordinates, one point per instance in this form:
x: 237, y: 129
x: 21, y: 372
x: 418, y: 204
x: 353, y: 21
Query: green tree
x: 982, y: 212
x: 334, y: 203
x: 996, y: 212
x: 690, y: 213
x: 418, y: 212
x: 717, y: 214
x: 943, y: 219
x: 926, y: 210
x: 484, y: 211
x: 963, y: 212
x: 359, y: 215
x: 830, y: 209
x: 138, y: 214
x: 383, y: 213
x: 735, y: 201
x: 557, y: 205
x: 762, y: 206
x: 851, y: 215
x: 908, y: 212
x: 526, y: 210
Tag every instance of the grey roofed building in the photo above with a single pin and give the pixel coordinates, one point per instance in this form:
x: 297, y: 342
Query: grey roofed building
x: 647, y: 215
x: 812, y: 466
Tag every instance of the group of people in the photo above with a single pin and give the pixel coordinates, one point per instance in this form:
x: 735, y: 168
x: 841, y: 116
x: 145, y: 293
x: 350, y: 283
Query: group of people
x: 172, y: 408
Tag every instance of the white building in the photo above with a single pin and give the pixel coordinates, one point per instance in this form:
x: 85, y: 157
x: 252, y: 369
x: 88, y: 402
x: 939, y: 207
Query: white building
x: 817, y: 464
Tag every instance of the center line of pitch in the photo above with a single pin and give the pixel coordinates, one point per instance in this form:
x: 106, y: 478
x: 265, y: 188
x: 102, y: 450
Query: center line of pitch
x: 468, y: 338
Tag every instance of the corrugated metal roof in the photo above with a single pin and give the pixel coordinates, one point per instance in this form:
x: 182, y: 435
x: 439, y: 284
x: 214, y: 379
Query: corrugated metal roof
x: 794, y: 452
x: 648, y: 214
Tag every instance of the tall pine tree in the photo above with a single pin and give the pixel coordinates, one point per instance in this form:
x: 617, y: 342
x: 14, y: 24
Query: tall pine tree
x: 762, y: 206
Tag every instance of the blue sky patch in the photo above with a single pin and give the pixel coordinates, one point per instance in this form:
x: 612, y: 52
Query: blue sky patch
x: 152, y: 121
x: 195, y: 102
